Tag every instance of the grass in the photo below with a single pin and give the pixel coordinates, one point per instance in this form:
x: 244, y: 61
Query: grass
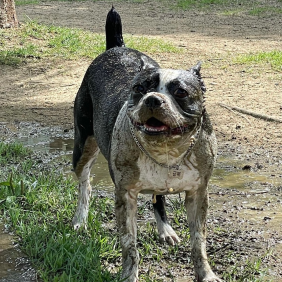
x: 35, y: 41
x: 40, y: 216
x: 26, y: 2
x: 12, y: 153
x: 273, y: 58
x: 261, y: 11
x: 232, y: 7
x: 186, y: 4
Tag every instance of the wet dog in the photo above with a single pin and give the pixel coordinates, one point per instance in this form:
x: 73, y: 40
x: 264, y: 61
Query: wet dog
x: 152, y: 127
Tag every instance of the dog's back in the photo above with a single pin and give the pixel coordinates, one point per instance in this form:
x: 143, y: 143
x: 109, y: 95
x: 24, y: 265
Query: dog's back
x: 105, y: 88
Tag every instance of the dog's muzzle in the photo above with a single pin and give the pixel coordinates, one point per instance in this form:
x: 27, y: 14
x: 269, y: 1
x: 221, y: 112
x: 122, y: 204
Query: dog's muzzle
x: 154, y: 126
x: 157, y: 116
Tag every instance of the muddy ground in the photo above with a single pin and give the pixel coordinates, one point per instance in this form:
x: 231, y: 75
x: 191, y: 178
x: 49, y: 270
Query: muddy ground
x: 44, y: 92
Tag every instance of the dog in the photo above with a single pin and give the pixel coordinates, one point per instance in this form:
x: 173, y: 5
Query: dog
x: 152, y: 127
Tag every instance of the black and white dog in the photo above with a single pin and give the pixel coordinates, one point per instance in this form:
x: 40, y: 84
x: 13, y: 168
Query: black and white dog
x: 152, y: 127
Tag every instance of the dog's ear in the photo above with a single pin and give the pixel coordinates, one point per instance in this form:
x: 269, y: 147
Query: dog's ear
x: 196, y: 71
x: 145, y: 64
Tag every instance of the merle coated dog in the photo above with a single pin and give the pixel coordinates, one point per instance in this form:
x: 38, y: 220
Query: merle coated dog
x: 152, y: 127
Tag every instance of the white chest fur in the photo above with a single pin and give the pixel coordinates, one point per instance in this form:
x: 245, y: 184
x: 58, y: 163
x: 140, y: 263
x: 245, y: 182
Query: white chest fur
x: 159, y: 180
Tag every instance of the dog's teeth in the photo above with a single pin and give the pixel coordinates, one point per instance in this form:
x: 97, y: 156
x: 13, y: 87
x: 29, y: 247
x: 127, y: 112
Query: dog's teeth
x: 154, y: 129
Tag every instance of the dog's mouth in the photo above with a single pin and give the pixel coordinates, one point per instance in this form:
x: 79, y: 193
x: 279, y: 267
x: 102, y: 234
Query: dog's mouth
x: 154, y: 126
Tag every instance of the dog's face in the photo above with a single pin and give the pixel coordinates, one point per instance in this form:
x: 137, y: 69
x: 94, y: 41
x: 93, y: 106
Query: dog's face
x: 166, y: 105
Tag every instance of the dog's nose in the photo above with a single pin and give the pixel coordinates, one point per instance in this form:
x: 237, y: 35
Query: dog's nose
x: 153, y: 102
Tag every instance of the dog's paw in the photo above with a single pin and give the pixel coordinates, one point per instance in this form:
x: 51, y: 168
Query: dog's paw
x: 80, y: 217
x: 79, y: 222
x: 213, y: 279
x: 78, y: 225
x: 210, y: 277
x: 167, y: 234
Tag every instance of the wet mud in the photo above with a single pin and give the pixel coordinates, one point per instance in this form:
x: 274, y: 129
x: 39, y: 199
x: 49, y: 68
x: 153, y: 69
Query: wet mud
x: 14, y: 265
x: 245, y: 211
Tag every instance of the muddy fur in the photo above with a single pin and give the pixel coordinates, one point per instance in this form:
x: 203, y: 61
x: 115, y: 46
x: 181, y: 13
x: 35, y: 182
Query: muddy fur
x: 152, y: 127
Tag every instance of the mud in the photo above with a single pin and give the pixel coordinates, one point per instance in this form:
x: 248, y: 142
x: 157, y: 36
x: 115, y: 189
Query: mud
x: 245, y: 198
x: 246, y: 188
x: 14, y: 265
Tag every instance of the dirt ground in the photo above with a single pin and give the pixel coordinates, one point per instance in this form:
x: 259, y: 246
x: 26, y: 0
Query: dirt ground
x: 44, y: 92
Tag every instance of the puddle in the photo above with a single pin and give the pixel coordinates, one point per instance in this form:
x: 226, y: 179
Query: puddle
x: 229, y: 173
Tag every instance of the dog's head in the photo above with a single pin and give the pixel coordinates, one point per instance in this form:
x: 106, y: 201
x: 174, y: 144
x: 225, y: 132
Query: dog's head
x: 166, y: 104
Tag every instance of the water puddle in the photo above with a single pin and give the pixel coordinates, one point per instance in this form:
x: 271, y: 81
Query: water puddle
x: 232, y: 173
x: 229, y: 172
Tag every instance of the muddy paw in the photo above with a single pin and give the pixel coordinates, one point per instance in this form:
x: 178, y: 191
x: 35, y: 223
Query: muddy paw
x: 212, y: 278
x: 168, y: 235
x: 79, y: 222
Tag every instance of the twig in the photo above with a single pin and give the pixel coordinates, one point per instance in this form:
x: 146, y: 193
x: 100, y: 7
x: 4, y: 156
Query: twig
x: 253, y: 114
x: 231, y: 109
x: 238, y: 194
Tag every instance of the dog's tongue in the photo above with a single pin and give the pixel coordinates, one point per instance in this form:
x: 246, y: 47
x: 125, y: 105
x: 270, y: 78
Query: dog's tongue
x: 154, y: 125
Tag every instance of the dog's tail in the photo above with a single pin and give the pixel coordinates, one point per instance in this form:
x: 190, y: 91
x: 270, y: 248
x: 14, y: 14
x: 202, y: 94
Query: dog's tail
x: 113, y: 30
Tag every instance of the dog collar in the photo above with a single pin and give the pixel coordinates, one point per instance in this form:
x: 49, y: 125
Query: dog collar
x: 175, y: 168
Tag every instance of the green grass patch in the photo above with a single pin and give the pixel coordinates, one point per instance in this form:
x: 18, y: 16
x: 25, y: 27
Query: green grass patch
x: 260, y: 11
x: 231, y: 7
x: 40, y: 215
x: 273, y: 58
x: 250, y: 272
x: 26, y: 2
x: 186, y: 4
x: 12, y: 153
x: 37, y: 41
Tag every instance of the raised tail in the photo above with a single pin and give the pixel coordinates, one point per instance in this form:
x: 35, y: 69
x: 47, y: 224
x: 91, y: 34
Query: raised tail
x: 113, y: 30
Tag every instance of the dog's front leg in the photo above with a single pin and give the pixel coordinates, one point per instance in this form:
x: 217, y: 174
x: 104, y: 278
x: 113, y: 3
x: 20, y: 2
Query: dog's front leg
x: 196, y: 206
x: 126, y: 206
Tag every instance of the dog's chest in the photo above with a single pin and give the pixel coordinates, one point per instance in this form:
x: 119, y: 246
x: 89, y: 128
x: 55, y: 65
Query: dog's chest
x: 155, y: 178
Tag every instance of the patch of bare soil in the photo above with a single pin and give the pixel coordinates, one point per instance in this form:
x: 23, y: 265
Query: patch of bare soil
x: 44, y: 92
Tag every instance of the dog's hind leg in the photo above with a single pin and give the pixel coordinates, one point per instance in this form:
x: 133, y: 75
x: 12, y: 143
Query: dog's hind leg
x: 85, y: 152
x: 82, y: 171
x: 166, y: 233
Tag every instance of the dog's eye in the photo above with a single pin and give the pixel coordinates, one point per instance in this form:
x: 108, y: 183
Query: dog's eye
x: 180, y: 93
x: 139, y: 88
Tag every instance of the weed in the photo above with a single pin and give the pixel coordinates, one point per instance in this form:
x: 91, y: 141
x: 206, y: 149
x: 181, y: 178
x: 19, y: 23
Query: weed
x: 26, y: 2
x: 12, y: 153
x: 230, y: 8
x: 258, y: 11
x: 37, y: 41
x: 274, y: 58
x: 40, y: 215
x: 250, y: 272
x: 185, y: 4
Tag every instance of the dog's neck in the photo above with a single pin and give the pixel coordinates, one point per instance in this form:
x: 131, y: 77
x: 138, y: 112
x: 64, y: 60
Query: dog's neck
x: 163, y: 155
